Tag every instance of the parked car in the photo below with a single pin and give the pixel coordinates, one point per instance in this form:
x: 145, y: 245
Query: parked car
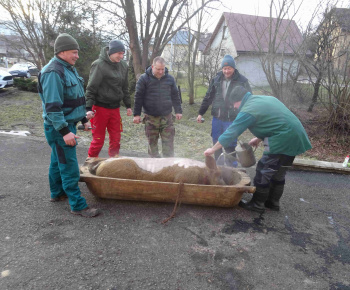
x: 23, y: 70
x: 6, y: 79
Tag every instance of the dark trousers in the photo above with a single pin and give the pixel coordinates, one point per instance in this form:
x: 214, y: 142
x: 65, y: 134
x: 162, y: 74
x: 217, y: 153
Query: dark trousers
x: 272, y: 168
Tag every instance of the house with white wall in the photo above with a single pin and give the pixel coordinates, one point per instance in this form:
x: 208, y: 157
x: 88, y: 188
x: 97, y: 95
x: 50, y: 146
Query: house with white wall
x: 175, y: 52
x: 248, y: 39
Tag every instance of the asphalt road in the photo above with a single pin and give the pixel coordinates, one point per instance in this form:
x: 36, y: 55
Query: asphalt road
x: 304, y: 246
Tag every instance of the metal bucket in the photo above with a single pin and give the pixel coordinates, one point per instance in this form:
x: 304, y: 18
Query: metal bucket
x: 245, y: 154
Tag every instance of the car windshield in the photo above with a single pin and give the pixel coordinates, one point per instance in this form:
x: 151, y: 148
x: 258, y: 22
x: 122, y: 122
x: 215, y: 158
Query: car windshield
x: 19, y: 66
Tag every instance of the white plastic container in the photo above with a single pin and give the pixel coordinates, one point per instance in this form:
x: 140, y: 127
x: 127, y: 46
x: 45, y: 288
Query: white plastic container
x: 346, y: 160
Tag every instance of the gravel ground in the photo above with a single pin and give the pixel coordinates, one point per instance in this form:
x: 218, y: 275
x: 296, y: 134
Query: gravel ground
x: 304, y: 246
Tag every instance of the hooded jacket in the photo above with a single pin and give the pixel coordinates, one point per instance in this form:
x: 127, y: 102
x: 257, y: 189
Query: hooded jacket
x: 108, y: 83
x: 156, y: 96
x: 222, y: 108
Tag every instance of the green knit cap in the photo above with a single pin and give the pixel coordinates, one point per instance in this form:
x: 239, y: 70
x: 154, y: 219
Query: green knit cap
x: 65, y: 42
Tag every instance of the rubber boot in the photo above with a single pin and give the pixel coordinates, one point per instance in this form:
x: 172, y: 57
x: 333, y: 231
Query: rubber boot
x: 276, y: 192
x: 257, y: 203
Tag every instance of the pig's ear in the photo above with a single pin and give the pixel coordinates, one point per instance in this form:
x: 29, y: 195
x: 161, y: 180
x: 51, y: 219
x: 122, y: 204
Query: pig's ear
x: 210, y: 162
x: 94, y: 165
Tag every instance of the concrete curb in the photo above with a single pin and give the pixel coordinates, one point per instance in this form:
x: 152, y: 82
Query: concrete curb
x: 322, y: 166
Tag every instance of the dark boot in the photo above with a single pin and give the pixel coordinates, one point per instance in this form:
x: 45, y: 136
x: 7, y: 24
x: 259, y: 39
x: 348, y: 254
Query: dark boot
x: 273, y: 202
x: 257, y: 203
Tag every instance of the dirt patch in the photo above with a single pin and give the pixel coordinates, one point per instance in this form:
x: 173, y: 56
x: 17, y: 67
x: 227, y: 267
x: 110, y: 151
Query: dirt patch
x: 325, y: 147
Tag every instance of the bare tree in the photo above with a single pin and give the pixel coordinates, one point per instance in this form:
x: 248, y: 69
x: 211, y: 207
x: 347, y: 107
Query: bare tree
x: 194, y: 41
x: 328, y: 69
x: 269, y: 42
x: 273, y: 57
x: 36, y: 24
x: 211, y: 64
x: 34, y: 21
x: 333, y: 68
x: 150, y: 25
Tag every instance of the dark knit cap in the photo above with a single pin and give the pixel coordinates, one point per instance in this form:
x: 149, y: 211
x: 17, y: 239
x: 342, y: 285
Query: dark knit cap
x: 228, y: 61
x: 65, y: 42
x: 237, y: 94
x: 116, y: 46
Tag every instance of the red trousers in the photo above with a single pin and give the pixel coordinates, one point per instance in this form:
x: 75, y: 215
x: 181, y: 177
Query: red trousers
x: 105, y: 119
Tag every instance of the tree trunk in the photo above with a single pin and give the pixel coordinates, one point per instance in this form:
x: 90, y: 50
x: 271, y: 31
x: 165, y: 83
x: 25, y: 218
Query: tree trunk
x: 317, y: 86
x: 130, y: 21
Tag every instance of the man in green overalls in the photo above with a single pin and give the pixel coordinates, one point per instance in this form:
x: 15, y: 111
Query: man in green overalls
x: 62, y: 93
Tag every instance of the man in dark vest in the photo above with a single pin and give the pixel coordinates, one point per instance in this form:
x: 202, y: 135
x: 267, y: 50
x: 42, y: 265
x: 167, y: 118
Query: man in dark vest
x: 62, y: 93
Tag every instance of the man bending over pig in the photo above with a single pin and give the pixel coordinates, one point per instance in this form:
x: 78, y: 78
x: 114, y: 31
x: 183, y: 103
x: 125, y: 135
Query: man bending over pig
x: 284, y: 138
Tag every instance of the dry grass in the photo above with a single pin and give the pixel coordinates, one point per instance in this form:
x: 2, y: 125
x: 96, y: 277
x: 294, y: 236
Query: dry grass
x: 20, y: 110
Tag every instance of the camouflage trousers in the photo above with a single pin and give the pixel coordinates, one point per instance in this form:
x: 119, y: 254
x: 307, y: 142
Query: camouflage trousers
x: 163, y: 126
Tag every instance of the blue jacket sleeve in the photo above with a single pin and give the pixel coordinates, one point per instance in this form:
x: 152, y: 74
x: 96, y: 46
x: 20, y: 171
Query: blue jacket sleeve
x: 239, y: 125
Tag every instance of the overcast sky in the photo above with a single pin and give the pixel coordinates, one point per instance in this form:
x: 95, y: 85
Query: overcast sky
x: 261, y: 8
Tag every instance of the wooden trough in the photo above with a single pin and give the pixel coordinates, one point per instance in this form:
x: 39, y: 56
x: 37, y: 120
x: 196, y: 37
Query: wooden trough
x: 140, y: 190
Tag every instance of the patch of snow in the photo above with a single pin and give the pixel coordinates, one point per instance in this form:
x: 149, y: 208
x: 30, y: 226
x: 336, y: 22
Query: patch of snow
x: 331, y: 221
x: 18, y: 133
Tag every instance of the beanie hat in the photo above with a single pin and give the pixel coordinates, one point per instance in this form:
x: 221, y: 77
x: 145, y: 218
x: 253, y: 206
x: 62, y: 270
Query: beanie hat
x: 116, y: 46
x: 237, y: 94
x: 65, y: 42
x: 228, y: 61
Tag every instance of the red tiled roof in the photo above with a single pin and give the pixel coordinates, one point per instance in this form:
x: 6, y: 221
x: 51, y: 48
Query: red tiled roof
x: 251, y: 33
